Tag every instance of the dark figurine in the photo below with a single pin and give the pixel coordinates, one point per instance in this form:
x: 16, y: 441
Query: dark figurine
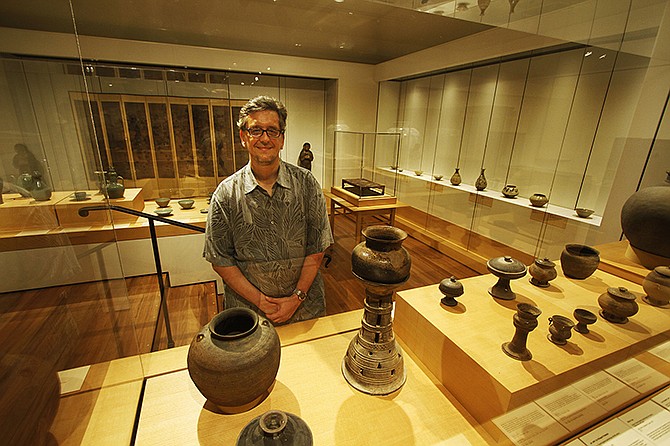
x: 306, y: 157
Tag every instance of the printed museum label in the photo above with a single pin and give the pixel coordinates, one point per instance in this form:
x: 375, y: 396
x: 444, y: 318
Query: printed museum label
x: 662, y: 351
x: 530, y: 425
x: 638, y: 375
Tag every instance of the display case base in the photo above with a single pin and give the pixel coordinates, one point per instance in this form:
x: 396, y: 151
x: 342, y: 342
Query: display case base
x: 466, y: 341
x: 361, y: 201
x: 67, y: 210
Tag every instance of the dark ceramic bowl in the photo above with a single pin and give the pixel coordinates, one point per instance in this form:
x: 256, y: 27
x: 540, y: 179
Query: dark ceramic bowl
x: 583, y: 212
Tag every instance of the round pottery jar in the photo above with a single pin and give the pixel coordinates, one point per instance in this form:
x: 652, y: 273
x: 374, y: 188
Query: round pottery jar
x: 643, y: 217
x: 542, y: 272
x: 657, y: 286
x: 451, y: 289
x: 618, y: 304
x: 381, y: 258
x: 538, y: 200
x: 234, y: 359
x: 579, y: 261
x: 510, y: 191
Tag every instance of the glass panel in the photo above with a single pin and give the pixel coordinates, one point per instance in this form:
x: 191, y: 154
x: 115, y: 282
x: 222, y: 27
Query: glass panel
x: 240, y: 153
x: 116, y: 138
x: 203, y: 140
x: 223, y: 137
x: 160, y: 131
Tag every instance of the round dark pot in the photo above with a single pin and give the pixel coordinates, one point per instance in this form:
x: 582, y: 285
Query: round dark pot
x: 618, y: 304
x: 234, y: 359
x: 645, y: 217
x: 381, y: 258
x: 276, y: 428
x: 657, y: 286
x: 579, y: 261
x: 538, y: 200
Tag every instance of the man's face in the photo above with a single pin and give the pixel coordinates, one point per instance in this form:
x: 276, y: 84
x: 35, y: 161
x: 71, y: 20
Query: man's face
x: 263, y: 150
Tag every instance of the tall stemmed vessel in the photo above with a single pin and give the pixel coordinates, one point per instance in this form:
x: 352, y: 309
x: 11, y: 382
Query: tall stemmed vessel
x: 525, y: 321
x: 373, y: 363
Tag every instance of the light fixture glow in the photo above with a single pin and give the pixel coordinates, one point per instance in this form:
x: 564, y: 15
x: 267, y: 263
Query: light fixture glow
x: 603, y: 56
x: 588, y: 53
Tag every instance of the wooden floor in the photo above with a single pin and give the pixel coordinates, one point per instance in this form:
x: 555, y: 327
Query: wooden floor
x: 75, y: 325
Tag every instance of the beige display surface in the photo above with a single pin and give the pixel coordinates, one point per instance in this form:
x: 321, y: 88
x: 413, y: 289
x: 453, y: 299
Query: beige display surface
x: 465, y: 341
x: 67, y: 209
x: 19, y: 213
x: 310, y: 384
x: 373, y: 200
x: 615, y: 259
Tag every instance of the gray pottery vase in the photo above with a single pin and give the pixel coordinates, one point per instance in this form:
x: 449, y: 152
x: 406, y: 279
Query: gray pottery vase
x: 481, y: 183
x: 381, y: 258
x: 234, y: 359
x: 645, y: 219
x: 115, y: 186
x: 456, y: 178
x: 579, y: 261
x: 538, y: 200
x: 41, y: 191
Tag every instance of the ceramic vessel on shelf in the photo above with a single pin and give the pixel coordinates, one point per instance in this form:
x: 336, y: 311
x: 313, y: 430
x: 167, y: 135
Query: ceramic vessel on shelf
x: 560, y: 329
x: 542, y: 271
x: 418, y: 173
x: 525, y: 321
x: 579, y: 261
x: 276, y: 427
x: 40, y: 192
x: 26, y: 181
x: 79, y: 195
x: 456, y: 178
x: 115, y: 186
x: 657, y: 286
x: 505, y: 268
x: 510, y: 191
x: 451, y: 289
x: 186, y: 204
x: 538, y: 200
x: 481, y: 183
x: 374, y: 363
x: 437, y: 177
x: 163, y: 212
x: 234, y: 359
x: 645, y: 217
x: 618, y: 304
x: 162, y: 202
x: 583, y: 212
x: 584, y: 319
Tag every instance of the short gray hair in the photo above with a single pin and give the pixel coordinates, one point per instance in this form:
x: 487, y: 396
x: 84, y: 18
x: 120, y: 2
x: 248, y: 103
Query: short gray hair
x: 262, y: 103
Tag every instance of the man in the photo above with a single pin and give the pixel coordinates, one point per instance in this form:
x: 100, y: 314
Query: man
x: 267, y: 227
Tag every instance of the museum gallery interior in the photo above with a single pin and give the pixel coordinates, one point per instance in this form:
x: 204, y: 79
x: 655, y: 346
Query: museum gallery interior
x: 497, y: 179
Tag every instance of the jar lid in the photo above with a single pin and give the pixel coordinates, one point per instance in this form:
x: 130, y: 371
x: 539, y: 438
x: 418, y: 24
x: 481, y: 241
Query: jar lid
x: 451, y: 287
x: 506, y: 265
x: 663, y: 270
x: 621, y: 292
x: 545, y: 263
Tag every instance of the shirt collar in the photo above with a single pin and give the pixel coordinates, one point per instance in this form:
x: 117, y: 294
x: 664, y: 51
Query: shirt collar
x: 250, y: 183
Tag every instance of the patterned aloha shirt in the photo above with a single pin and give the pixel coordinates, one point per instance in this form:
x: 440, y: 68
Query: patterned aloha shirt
x: 268, y: 237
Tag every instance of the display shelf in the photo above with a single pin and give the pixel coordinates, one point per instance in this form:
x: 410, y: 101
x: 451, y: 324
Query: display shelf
x: 19, y: 213
x: 466, y: 340
x: 67, y: 209
x: 615, y: 258
x: 570, y: 214
x: 172, y: 409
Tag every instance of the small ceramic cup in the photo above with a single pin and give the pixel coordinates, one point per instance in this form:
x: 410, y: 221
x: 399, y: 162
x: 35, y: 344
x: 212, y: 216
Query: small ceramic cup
x: 186, y: 204
x: 162, y: 202
x: 80, y: 195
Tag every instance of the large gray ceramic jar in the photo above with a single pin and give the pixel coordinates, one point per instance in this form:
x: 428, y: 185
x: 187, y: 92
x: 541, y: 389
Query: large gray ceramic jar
x: 645, y: 219
x: 234, y: 359
x: 381, y: 258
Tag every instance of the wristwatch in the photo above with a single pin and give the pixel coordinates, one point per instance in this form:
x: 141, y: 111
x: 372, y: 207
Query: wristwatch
x: 301, y: 294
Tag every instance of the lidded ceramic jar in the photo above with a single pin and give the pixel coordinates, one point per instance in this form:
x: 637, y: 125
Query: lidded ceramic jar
x: 451, y: 289
x: 234, y: 359
x: 542, y: 271
x: 579, y: 261
x: 657, y: 286
x: 618, y: 304
x: 505, y: 268
x: 538, y: 200
x: 510, y: 191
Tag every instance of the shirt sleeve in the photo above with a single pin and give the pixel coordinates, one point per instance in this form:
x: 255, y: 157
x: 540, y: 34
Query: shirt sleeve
x: 219, y: 248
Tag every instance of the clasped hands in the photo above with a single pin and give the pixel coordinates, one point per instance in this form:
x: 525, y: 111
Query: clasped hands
x: 279, y: 309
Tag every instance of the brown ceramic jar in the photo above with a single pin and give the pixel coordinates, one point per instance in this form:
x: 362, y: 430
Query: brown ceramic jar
x: 618, y: 304
x: 657, y: 286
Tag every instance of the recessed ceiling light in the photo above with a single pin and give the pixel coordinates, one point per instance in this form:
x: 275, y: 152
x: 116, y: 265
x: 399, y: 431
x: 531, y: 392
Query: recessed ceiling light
x: 588, y: 53
x: 603, y: 56
x: 339, y: 1
x: 297, y: 44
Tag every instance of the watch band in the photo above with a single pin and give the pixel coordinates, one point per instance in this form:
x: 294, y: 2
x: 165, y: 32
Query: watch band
x: 301, y: 294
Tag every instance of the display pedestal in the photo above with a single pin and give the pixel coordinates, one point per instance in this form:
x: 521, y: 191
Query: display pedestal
x: 461, y: 345
x: 67, y: 210
x: 19, y: 213
x: 362, y: 201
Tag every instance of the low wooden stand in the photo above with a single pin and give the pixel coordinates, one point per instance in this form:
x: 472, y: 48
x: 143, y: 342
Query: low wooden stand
x: 19, y: 213
x: 357, y: 200
x: 67, y: 209
x: 462, y: 345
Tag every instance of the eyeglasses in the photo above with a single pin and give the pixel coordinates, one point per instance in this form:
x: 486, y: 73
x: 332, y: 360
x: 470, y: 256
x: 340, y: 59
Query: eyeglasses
x: 256, y: 132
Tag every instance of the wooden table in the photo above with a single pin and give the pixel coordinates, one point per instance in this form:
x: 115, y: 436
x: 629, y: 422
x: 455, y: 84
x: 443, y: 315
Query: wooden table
x: 340, y: 206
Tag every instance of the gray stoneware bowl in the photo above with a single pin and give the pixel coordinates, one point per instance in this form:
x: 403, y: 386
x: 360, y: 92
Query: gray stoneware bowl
x: 164, y: 212
x: 583, y: 212
x: 162, y: 202
x: 186, y: 204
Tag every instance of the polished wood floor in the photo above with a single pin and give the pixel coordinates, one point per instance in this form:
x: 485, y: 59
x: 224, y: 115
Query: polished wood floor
x: 75, y: 325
